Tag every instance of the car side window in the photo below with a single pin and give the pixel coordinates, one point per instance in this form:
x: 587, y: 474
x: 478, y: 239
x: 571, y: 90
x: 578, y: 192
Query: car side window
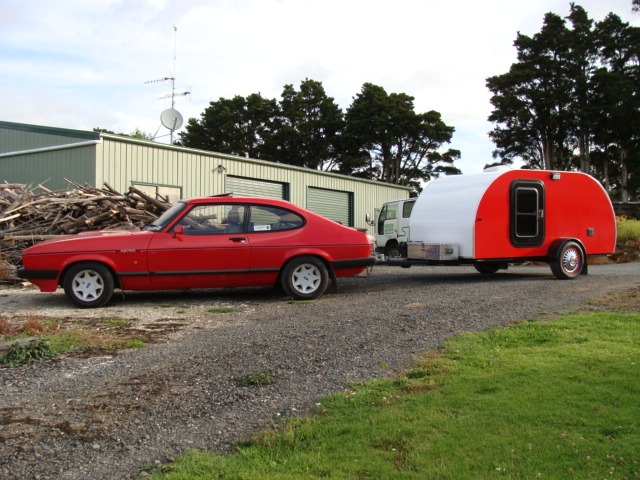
x: 214, y: 219
x: 273, y: 219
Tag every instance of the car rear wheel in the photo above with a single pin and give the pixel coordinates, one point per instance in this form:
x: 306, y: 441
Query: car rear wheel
x: 305, y: 278
x: 89, y: 284
x: 569, y: 263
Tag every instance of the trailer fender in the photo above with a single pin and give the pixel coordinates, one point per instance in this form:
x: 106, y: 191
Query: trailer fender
x: 567, y: 258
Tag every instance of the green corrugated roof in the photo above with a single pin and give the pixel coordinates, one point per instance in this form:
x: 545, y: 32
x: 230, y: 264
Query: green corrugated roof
x: 64, y: 132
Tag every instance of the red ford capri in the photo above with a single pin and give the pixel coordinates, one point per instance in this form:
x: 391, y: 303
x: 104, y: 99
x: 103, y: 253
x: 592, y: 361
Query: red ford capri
x: 211, y: 242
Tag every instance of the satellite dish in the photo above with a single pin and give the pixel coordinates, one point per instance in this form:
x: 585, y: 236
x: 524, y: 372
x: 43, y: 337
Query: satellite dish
x: 171, y: 119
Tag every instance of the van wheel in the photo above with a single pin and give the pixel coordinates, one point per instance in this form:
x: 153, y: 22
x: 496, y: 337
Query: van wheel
x: 392, y: 250
x: 486, y: 267
x: 88, y: 284
x: 305, y: 278
x: 569, y: 263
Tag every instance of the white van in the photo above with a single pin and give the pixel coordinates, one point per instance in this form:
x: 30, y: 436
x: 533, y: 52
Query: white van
x: 392, y: 227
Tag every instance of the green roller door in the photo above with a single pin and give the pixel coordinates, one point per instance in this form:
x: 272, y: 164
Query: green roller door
x: 333, y: 204
x: 250, y: 187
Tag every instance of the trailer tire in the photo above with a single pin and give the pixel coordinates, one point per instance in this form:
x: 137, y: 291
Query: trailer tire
x: 484, y: 267
x: 569, y: 261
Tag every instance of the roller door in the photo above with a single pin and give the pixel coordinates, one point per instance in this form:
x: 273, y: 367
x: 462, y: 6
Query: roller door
x: 333, y: 204
x: 250, y: 187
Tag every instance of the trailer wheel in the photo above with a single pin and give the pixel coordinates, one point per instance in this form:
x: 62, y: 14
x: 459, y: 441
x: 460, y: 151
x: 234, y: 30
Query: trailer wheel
x: 569, y: 263
x: 88, y: 284
x: 483, y: 267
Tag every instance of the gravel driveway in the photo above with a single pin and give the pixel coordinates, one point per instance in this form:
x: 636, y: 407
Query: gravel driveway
x: 112, y: 417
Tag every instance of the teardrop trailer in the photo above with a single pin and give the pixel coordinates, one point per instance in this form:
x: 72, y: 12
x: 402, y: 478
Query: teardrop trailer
x: 499, y: 216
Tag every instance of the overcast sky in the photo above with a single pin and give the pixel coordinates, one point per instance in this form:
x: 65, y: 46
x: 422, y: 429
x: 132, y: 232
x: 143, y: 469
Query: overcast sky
x: 82, y: 64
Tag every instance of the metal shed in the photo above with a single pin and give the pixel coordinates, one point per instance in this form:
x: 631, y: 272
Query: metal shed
x: 52, y: 157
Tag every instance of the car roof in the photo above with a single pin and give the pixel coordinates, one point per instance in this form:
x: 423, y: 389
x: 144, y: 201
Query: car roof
x: 231, y: 199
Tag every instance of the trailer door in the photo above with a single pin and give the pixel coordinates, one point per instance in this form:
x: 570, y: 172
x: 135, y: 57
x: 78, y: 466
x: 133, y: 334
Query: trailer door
x: 527, y: 213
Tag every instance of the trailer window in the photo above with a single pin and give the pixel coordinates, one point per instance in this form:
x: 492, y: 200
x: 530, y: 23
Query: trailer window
x: 527, y: 213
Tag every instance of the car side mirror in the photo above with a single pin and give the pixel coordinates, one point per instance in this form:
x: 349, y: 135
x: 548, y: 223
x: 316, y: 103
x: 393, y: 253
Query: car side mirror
x: 178, y: 230
x: 367, y: 218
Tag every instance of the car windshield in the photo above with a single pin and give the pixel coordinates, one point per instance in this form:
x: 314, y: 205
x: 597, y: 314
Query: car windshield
x: 166, y: 217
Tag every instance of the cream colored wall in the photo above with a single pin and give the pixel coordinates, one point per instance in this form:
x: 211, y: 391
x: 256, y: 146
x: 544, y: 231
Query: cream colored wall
x: 121, y: 161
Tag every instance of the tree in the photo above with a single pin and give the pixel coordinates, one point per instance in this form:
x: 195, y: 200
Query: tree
x: 381, y: 137
x: 572, y: 101
x: 385, y: 139
x: 532, y: 101
x: 137, y: 133
x: 307, y: 130
x: 235, y: 126
x: 617, y: 96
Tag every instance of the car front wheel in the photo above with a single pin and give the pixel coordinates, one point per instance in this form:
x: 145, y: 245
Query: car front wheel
x: 305, y: 278
x: 88, y: 284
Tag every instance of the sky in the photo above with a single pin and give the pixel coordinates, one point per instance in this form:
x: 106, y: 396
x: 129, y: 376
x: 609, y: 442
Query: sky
x: 84, y: 64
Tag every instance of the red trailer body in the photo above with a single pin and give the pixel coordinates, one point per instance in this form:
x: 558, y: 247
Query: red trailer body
x: 504, y: 216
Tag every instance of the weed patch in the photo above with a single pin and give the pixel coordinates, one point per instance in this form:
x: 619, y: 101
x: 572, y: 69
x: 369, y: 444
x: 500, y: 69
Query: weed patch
x: 261, y: 378
x: 20, y: 353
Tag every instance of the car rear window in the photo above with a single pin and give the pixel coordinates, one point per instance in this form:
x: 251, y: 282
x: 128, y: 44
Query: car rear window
x: 268, y: 219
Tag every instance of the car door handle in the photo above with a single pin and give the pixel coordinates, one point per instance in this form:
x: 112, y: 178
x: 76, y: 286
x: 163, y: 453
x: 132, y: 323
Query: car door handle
x: 238, y: 239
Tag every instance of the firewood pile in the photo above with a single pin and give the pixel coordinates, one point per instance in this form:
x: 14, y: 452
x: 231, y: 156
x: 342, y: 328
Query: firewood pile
x: 27, y: 217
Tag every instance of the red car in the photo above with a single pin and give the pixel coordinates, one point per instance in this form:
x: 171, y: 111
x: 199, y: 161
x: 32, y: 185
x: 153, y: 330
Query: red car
x: 207, y: 242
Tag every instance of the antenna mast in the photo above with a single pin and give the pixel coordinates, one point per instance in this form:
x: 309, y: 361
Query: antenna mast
x: 171, y: 118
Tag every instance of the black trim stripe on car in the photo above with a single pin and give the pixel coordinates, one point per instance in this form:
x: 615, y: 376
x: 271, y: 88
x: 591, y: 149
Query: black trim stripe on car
x: 37, y: 274
x: 198, y: 272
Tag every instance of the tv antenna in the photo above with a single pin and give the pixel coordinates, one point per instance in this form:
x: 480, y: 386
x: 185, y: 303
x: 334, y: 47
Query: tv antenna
x: 170, y: 118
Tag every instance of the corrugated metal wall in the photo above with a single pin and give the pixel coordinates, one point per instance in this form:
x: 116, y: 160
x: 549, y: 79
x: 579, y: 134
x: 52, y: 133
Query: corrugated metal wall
x: 51, y: 168
x: 122, y: 160
x: 31, y: 154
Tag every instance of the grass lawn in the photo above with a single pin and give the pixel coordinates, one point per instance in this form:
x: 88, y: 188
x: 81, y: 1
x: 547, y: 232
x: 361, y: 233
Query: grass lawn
x: 557, y: 399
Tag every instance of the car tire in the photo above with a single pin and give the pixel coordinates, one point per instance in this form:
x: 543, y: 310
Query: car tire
x: 569, y: 263
x: 88, y: 284
x: 305, y: 278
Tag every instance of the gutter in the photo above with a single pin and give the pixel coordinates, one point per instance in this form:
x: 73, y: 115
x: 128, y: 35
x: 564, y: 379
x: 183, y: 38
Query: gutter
x: 50, y: 149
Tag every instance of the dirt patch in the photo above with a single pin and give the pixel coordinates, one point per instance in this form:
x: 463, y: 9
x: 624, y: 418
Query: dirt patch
x: 626, y: 301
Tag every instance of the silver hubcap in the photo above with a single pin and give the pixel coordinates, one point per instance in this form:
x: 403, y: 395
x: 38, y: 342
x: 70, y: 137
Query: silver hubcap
x: 88, y: 285
x: 306, y: 278
x: 571, y: 260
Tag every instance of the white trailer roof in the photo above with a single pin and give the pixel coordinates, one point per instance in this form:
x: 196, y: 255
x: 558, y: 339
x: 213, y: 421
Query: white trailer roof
x: 445, y: 211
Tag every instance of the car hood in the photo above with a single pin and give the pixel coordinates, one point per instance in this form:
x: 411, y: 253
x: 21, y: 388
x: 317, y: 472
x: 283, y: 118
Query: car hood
x: 99, y: 240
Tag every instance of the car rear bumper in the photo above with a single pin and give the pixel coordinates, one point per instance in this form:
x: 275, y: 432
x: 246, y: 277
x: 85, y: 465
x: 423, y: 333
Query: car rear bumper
x: 354, y: 263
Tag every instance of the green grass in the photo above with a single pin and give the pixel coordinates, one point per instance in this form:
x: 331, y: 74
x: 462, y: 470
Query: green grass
x: 534, y: 400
